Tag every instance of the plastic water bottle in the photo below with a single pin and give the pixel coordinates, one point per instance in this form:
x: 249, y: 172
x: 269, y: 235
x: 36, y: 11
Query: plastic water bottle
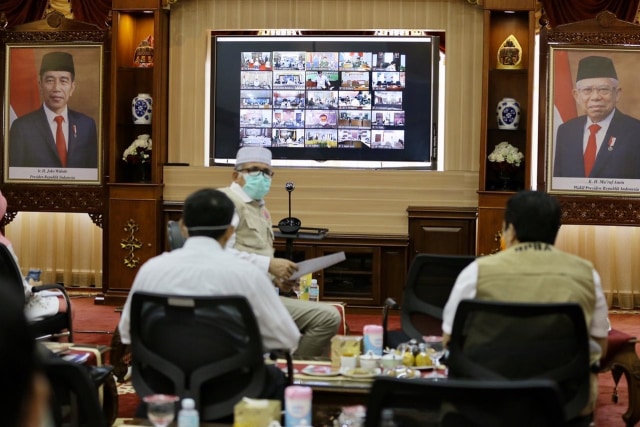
x: 188, y: 415
x: 34, y: 274
x: 314, y: 290
x: 297, y: 405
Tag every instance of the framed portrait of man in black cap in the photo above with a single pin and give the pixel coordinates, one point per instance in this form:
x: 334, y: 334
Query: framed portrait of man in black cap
x: 593, y: 122
x: 53, y: 111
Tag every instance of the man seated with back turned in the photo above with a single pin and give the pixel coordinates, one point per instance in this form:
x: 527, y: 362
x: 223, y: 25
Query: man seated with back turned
x: 203, y: 267
x: 531, y: 269
x: 252, y: 175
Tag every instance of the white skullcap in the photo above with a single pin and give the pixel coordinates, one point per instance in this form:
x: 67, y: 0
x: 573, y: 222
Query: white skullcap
x: 253, y: 154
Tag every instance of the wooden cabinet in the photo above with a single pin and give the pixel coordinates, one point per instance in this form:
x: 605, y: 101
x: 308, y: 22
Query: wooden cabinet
x: 448, y: 231
x: 374, y: 268
x: 134, y: 230
x: 146, y: 20
x: 504, y: 22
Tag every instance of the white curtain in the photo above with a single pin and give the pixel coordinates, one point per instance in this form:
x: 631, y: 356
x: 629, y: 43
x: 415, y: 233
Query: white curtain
x: 67, y: 247
x: 614, y: 252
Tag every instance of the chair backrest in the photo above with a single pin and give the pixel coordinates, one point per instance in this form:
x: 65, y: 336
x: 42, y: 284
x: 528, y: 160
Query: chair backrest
x: 174, y: 235
x: 74, y: 394
x: 10, y: 274
x: 203, y: 347
x: 465, y: 403
x: 54, y: 326
x: 429, y: 282
x: 503, y: 340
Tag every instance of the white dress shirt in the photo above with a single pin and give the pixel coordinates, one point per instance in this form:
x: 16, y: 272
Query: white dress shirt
x: 202, y: 267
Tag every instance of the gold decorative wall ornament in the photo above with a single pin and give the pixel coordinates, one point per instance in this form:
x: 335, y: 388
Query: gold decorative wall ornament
x: 131, y: 244
x: 510, y: 53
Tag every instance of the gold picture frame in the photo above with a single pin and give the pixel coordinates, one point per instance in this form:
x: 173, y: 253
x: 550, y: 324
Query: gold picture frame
x: 614, y: 172
x: 30, y: 154
x: 616, y: 199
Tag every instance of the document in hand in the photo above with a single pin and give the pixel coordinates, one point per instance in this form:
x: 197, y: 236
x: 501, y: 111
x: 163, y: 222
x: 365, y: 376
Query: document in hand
x: 316, y: 264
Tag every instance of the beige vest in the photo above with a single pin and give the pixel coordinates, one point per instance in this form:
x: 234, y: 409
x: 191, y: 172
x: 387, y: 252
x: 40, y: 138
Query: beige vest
x: 535, y: 271
x: 254, y: 233
x: 539, y: 272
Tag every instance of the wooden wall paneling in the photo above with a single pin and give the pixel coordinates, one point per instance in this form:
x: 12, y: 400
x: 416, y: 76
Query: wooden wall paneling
x: 376, y: 199
x: 131, y: 236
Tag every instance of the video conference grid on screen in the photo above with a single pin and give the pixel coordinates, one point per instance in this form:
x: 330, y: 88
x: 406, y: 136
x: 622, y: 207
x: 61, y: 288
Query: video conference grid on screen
x: 367, y: 97
x: 322, y: 99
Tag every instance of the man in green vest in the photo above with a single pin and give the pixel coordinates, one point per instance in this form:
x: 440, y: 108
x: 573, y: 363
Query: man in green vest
x: 253, y: 241
x: 531, y: 269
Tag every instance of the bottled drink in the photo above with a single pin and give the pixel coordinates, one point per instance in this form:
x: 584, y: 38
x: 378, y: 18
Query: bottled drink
x: 305, y: 283
x: 34, y: 273
x: 188, y: 415
x: 372, y: 339
x: 297, y: 405
x: 422, y: 358
x: 314, y: 290
x: 408, y: 359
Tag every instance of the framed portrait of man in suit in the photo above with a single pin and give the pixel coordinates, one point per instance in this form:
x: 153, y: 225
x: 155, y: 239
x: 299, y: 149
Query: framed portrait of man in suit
x: 53, y: 113
x: 593, y: 121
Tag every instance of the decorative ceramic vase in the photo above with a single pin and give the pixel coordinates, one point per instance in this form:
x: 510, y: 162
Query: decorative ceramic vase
x: 508, y: 114
x: 509, y: 53
x: 141, y: 109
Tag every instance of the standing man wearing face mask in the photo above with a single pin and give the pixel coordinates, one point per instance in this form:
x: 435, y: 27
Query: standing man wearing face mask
x: 253, y: 241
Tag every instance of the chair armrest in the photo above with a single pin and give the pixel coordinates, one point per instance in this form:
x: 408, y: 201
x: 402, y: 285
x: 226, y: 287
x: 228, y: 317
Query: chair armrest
x: 99, y: 374
x: 286, y: 354
x: 389, y: 304
x: 63, y: 291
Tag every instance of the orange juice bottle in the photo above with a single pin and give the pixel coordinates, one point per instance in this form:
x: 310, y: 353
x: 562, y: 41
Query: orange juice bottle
x: 407, y: 356
x: 422, y: 358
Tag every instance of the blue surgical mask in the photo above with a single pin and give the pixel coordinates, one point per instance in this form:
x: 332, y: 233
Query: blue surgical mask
x: 256, y: 187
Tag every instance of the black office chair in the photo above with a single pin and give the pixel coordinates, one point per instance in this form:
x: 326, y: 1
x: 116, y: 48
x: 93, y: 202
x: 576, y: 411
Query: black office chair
x: 465, y: 403
x: 206, y: 348
x: 74, y: 397
x: 429, y: 282
x: 515, y: 341
x: 52, y: 327
x: 174, y: 235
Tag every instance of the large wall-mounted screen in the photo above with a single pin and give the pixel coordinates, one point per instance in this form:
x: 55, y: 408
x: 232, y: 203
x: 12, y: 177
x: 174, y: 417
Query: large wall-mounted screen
x: 369, y: 99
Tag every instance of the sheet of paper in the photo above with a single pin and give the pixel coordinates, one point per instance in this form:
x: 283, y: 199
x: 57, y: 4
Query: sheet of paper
x: 316, y: 264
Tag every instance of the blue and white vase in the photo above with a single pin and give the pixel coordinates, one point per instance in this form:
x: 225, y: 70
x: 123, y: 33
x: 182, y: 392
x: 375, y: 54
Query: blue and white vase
x: 141, y: 109
x: 508, y: 114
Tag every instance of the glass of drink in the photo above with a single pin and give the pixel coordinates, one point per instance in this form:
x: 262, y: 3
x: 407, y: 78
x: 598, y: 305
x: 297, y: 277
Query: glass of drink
x: 435, y: 350
x: 161, y: 408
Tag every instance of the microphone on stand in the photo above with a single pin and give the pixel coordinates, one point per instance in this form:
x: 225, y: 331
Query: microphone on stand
x: 289, y: 225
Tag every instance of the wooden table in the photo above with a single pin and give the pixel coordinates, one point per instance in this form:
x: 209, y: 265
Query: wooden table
x: 330, y: 394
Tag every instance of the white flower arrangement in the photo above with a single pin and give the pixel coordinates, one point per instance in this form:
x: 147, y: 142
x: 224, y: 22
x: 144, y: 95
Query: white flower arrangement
x: 139, y: 151
x: 505, y: 155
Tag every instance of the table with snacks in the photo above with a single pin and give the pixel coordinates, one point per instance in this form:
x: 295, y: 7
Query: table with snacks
x: 335, y: 387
